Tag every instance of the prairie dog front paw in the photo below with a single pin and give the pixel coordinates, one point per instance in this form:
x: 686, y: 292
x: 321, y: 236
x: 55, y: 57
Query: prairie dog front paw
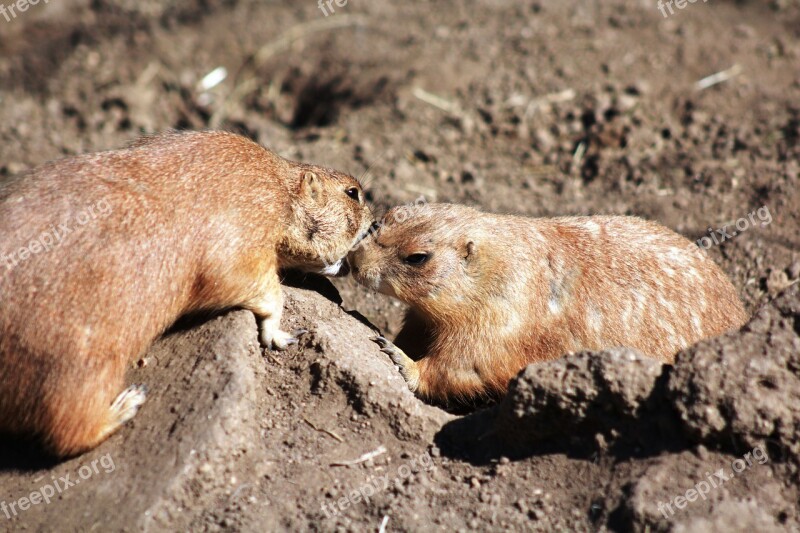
x: 408, y: 367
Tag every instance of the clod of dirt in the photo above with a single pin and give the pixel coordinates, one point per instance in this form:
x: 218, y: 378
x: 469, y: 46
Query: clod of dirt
x: 614, y: 396
x: 588, y: 387
x: 743, y: 389
x: 580, y: 395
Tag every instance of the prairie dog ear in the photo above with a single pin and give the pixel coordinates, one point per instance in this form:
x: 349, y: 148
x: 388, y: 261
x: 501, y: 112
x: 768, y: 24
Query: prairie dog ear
x: 311, y: 186
x: 470, y: 251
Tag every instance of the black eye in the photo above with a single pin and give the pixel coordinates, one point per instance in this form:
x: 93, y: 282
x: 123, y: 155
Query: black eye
x: 416, y: 259
x: 353, y: 193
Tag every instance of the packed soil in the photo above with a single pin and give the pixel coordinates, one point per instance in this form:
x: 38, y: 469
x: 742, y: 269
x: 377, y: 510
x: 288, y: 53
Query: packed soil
x: 536, y: 108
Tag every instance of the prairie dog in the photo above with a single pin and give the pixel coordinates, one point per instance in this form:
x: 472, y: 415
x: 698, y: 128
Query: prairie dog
x: 495, y: 293
x: 100, y: 253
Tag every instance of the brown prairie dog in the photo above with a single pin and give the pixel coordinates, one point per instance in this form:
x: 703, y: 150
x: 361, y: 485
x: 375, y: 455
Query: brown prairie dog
x: 494, y: 293
x: 100, y: 253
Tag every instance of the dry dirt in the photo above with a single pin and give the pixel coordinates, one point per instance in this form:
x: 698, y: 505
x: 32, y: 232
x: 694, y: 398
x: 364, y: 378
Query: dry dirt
x: 529, y: 107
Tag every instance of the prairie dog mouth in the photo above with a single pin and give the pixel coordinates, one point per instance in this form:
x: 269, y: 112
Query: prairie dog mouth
x: 373, y: 281
x: 339, y: 269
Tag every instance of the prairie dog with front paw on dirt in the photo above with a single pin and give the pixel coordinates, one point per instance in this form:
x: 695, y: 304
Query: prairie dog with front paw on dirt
x: 494, y: 293
x: 100, y: 253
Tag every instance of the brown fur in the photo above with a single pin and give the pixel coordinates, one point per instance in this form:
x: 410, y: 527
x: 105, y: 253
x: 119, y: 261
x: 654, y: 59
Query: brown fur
x: 195, y: 221
x: 500, y: 292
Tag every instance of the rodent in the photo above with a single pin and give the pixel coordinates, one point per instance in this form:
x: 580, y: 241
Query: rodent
x: 101, y: 253
x: 490, y: 294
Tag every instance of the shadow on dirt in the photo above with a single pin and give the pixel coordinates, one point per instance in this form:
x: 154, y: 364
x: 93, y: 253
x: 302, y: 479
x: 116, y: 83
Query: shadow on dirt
x: 24, y: 455
x: 504, y: 430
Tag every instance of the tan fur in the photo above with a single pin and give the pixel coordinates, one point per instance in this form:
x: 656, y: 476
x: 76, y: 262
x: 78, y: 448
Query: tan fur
x: 500, y: 292
x: 195, y: 221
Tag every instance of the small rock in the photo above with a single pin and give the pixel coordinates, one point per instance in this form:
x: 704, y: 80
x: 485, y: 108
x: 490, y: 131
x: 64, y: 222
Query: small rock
x: 777, y: 281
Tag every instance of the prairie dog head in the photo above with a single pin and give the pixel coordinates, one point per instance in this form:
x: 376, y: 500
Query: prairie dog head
x: 426, y: 256
x: 329, y: 216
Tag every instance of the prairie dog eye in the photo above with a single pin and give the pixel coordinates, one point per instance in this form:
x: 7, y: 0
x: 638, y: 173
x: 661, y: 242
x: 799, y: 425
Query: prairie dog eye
x: 353, y: 193
x: 416, y: 259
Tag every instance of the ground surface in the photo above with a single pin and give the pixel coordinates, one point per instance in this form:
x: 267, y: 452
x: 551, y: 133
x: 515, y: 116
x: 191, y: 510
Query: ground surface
x: 537, y: 108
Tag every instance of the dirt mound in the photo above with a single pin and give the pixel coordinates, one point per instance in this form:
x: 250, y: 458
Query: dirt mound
x: 742, y: 390
x: 587, y: 392
x: 224, y: 428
